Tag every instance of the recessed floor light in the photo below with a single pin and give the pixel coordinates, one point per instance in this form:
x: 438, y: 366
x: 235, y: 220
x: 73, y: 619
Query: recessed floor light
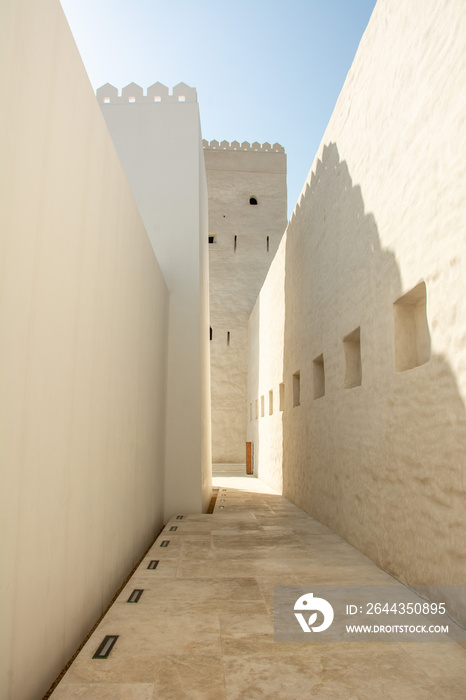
x: 179, y: 517
x: 135, y: 595
x: 106, y: 646
x: 153, y: 564
x: 165, y: 543
x: 173, y: 529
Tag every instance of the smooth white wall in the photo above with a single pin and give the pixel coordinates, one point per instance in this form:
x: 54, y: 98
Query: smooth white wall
x: 83, y: 338
x: 382, y: 210
x: 159, y: 147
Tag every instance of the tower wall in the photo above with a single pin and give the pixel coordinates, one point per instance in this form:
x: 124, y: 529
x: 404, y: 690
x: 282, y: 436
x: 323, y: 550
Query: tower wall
x: 245, y: 238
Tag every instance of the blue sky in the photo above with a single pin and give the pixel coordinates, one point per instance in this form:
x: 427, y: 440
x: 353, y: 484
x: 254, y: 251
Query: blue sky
x: 264, y: 70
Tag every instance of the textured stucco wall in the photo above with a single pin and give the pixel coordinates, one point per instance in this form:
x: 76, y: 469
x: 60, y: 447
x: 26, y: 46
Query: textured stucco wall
x: 83, y: 326
x: 159, y: 145
x: 382, y: 463
x: 265, y: 373
x: 237, y: 274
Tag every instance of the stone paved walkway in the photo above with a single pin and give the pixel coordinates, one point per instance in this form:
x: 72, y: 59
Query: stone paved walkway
x: 203, y: 628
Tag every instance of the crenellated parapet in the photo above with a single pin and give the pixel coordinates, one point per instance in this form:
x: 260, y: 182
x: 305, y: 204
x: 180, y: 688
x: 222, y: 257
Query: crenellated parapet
x: 245, y: 146
x: 109, y: 94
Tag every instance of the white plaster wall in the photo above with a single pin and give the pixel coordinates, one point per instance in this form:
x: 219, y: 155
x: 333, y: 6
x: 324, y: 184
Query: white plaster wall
x: 83, y: 327
x: 383, y: 209
x: 265, y: 373
x: 159, y: 145
x: 234, y: 174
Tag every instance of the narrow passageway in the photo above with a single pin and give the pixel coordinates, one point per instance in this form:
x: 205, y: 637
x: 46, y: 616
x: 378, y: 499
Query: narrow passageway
x: 203, y: 626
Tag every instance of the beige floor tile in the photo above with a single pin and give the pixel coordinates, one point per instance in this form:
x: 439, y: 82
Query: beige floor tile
x: 197, y: 677
x: 256, y: 677
x: 115, y: 669
x: 203, y: 628
x: 439, y: 660
x: 251, y: 624
x: 227, y: 568
x: 104, y: 691
x: 453, y: 688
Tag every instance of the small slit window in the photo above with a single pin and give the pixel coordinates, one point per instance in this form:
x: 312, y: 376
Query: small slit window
x: 262, y: 406
x: 212, y: 238
x: 210, y: 333
x: 270, y: 402
x: 352, y: 347
x: 319, y: 377
x: 235, y: 243
x: 281, y: 395
x: 296, y: 389
x: 228, y: 338
x: 268, y: 244
x: 253, y: 201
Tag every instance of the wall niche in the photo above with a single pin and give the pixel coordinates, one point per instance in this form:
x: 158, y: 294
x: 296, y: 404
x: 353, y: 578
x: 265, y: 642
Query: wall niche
x: 352, y: 347
x: 412, y: 337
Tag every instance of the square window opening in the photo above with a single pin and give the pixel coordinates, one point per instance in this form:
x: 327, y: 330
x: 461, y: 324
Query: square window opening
x: 412, y: 336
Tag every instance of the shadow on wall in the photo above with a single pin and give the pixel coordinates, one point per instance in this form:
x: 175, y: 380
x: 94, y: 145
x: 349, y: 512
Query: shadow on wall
x: 374, y: 446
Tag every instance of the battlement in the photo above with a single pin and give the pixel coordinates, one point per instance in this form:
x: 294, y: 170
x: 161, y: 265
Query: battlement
x: 108, y: 94
x: 245, y: 146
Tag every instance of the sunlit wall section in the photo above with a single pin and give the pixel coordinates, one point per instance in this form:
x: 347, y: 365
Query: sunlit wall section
x: 83, y: 334
x: 265, y: 375
x: 374, y: 358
